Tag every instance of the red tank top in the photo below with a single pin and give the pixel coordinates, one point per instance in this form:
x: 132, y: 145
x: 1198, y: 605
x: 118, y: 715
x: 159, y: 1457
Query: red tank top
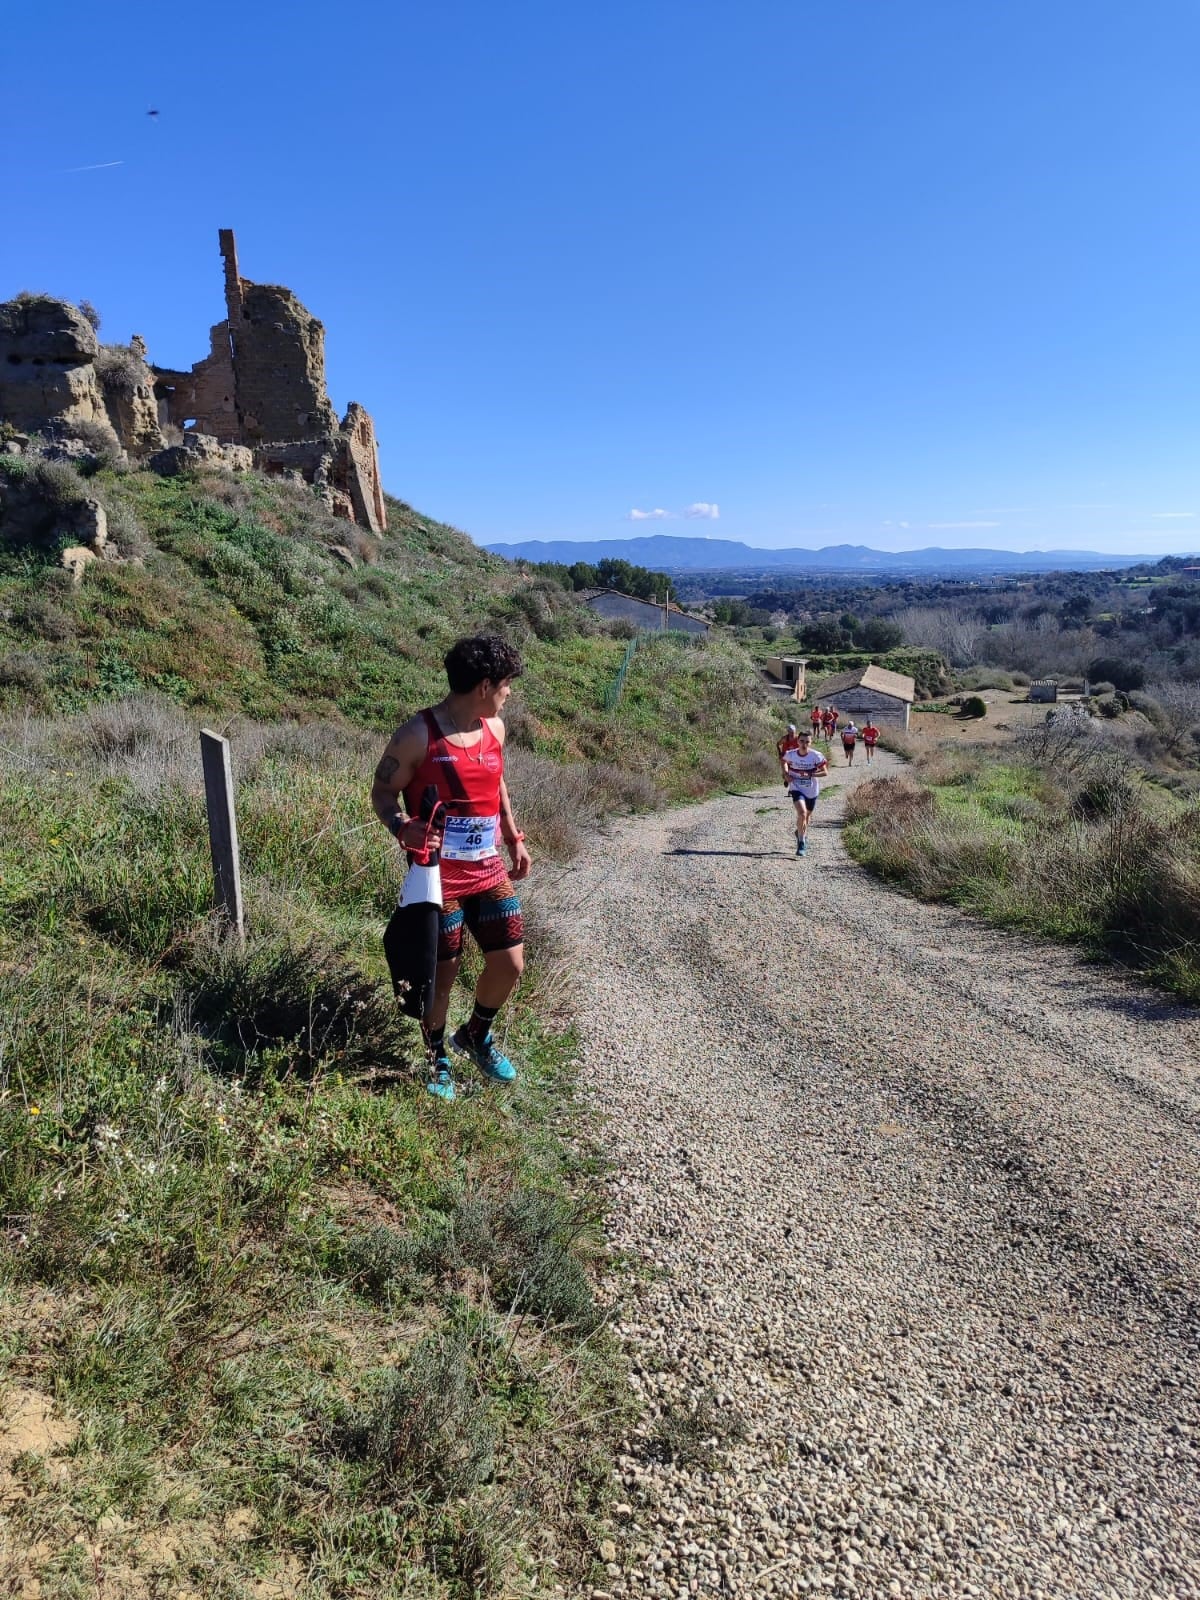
x: 468, y: 785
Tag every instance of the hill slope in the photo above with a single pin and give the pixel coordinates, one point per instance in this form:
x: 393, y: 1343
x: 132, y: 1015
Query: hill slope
x: 242, y: 605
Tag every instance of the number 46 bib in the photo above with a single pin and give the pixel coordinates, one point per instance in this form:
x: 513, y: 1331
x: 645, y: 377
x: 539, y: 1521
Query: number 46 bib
x: 469, y: 838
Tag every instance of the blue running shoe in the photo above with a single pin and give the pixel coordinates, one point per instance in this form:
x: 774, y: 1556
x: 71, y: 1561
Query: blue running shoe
x: 801, y: 846
x: 485, y: 1056
x: 442, y: 1081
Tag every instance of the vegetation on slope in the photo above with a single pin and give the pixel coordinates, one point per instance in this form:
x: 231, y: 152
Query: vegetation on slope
x: 304, y: 1323
x: 242, y: 605
x: 1060, y: 834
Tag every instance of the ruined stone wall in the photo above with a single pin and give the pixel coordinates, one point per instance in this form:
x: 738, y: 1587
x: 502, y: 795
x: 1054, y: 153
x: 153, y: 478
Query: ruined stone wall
x: 357, y: 469
x: 279, y: 359
x: 262, y: 386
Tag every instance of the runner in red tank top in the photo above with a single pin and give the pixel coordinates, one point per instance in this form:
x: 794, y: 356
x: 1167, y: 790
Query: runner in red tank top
x: 457, y: 747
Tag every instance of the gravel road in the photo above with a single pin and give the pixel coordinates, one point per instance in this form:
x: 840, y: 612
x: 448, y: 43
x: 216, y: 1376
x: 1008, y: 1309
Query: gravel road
x: 912, y: 1199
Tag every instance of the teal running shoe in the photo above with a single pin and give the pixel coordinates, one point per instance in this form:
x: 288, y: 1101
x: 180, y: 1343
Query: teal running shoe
x: 442, y: 1082
x: 486, y: 1057
x: 801, y: 846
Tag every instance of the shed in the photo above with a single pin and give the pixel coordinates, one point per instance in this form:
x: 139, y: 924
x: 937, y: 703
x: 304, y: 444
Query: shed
x: 1043, y: 691
x: 614, y: 605
x: 791, y: 670
x: 872, y: 691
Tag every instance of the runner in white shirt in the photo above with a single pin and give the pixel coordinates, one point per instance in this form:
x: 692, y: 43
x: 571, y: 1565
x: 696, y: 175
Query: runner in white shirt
x: 805, y: 768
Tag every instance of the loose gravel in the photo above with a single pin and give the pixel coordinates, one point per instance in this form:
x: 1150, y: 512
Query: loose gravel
x: 911, y: 1202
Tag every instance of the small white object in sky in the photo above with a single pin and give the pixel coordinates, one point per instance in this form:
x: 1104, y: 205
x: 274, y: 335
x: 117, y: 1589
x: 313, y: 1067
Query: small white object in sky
x: 657, y: 515
x: 96, y: 166
x: 703, y: 508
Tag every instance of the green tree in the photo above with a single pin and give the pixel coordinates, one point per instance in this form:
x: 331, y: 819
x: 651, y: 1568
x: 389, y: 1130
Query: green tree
x: 879, y: 635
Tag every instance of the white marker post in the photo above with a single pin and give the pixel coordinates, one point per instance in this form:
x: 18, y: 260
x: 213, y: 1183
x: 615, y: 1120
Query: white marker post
x: 222, y: 830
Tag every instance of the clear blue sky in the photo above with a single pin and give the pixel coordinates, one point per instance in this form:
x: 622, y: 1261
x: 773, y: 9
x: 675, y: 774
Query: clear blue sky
x: 894, y: 274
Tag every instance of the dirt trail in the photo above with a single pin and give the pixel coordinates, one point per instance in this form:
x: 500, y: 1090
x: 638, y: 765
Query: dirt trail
x: 914, y: 1198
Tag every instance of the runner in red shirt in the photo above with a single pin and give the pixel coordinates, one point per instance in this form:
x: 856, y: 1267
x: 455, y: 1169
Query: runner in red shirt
x: 457, y: 746
x: 849, y: 740
x: 815, y: 719
x: 829, y: 719
x: 870, y: 738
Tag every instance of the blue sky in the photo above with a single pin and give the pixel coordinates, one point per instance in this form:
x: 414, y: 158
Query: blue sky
x: 889, y: 274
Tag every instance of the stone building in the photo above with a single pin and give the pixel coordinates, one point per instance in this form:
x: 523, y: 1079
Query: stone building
x: 262, y: 385
x: 870, y: 691
x: 258, y: 398
x: 615, y: 606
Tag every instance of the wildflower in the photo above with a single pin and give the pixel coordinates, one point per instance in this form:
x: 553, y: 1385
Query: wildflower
x: 35, y: 1111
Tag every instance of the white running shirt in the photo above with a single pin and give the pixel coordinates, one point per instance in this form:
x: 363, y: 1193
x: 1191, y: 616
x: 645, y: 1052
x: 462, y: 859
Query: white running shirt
x: 800, y: 770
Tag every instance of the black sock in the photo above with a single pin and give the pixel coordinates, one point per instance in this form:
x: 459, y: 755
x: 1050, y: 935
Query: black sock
x: 481, y: 1021
x: 435, y: 1040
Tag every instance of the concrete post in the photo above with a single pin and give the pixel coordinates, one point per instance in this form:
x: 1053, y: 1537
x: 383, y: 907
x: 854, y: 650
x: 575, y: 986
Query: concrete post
x: 222, y: 830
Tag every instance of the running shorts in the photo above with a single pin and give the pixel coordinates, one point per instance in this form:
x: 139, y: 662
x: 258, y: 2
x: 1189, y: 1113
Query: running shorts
x: 493, y: 917
x: 810, y: 800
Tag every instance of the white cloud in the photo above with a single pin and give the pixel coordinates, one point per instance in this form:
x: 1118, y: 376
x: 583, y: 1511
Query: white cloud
x: 657, y: 515
x: 703, y: 508
x: 1165, y: 514
x: 962, y: 524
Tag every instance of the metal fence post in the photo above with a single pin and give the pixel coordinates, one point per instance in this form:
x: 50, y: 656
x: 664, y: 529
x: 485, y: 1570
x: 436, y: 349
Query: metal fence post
x: 222, y: 829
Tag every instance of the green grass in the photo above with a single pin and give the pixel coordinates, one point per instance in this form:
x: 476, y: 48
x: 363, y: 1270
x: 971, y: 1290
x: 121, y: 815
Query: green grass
x: 1112, y: 866
x: 241, y: 607
x: 242, y: 1248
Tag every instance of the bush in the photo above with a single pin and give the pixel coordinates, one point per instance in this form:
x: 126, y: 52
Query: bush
x: 1020, y: 680
x: 974, y: 706
x: 985, y: 678
x: 1122, y: 674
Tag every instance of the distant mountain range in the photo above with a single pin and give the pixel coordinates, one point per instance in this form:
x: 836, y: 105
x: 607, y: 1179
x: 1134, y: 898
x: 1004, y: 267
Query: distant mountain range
x: 666, y: 553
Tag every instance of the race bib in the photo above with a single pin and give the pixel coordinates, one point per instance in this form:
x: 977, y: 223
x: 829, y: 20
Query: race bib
x: 469, y: 838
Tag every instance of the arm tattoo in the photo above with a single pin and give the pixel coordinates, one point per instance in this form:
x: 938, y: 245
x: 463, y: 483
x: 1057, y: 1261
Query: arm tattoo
x: 386, y: 768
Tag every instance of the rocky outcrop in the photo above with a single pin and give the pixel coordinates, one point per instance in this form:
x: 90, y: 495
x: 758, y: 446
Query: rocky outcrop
x: 48, y: 378
x: 127, y: 385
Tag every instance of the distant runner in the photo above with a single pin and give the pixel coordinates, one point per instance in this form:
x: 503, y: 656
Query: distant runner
x: 849, y: 740
x: 815, y: 719
x: 458, y: 747
x: 805, y: 767
x: 833, y: 714
x: 788, y: 742
x: 870, y: 737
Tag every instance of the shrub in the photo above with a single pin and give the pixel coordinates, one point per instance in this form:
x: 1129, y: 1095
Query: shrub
x: 310, y: 1000
x: 119, y: 368
x: 986, y: 678
x: 431, y: 1429
x: 91, y: 314
x: 22, y: 678
x: 103, y: 447
x: 974, y: 706
x: 1020, y: 680
x: 1116, y: 670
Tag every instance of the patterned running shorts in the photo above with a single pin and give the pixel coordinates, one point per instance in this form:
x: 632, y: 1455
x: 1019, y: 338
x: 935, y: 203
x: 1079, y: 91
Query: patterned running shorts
x: 494, y: 918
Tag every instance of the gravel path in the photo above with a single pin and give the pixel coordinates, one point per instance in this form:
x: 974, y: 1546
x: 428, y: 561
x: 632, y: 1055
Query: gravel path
x: 913, y: 1199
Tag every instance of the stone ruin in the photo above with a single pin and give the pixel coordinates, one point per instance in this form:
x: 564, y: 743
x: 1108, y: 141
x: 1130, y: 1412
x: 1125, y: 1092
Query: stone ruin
x: 257, y: 399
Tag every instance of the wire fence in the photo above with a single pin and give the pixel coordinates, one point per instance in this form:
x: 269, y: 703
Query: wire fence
x: 616, y: 688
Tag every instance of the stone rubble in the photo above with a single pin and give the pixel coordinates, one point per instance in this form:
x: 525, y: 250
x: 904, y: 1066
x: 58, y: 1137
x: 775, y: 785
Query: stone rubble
x: 914, y: 1200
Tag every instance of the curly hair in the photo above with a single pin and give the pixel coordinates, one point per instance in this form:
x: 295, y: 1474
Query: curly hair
x: 485, y: 655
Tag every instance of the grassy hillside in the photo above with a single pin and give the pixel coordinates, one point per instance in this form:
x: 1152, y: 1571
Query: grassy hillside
x: 1060, y: 834
x: 273, y: 1322
x: 241, y: 605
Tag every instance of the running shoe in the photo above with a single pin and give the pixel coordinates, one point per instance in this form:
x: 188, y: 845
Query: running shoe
x: 442, y: 1081
x: 485, y: 1056
x: 801, y: 846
